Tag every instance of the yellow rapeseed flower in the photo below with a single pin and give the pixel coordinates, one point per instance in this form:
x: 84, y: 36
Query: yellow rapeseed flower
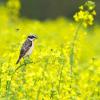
x: 86, y: 15
x: 76, y: 17
x: 81, y: 7
x: 94, y: 12
x: 81, y: 14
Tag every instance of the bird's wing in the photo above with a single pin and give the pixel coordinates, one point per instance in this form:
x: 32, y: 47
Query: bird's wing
x: 25, y: 47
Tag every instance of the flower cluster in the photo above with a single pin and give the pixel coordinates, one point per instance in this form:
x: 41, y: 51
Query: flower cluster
x: 86, y: 13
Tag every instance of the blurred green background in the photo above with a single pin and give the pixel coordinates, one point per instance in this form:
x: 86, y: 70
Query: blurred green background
x: 51, y: 9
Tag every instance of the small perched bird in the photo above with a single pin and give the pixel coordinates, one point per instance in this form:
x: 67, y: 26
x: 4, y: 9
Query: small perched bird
x: 27, y: 47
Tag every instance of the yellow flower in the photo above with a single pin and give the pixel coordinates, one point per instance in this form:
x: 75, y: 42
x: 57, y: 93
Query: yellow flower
x: 90, y: 17
x: 86, y: 15
x: 81, y: 14
x: 94, y: 12
x: 76, y: 17
x: 81, y: 7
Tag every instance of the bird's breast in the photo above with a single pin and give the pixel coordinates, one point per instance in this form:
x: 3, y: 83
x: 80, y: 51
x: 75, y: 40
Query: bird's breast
x: 30, y: 50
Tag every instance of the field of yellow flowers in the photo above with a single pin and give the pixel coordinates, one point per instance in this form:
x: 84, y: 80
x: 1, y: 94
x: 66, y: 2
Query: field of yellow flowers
x: 46, y: 75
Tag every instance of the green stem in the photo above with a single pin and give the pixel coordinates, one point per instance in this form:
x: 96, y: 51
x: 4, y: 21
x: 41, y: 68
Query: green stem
x: 7, y: 89
x: 75, y: 38
x: 72, y: 47
x: 59, y: 85
x: 38, y: 93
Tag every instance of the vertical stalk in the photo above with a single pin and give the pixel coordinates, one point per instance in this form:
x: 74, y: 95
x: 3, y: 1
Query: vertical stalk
x: 7, y: 89
x: 60, y: 77
x: 38, y: 93
x: 72, y: 52
x: 72, y: 48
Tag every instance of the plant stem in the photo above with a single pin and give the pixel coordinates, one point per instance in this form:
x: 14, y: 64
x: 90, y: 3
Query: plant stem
x: 75, y: 38
x: 38, y: 92
x: 60, y: 76
x: 72, y: 47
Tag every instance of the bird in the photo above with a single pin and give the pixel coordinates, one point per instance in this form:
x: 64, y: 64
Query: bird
x: 27, y: 47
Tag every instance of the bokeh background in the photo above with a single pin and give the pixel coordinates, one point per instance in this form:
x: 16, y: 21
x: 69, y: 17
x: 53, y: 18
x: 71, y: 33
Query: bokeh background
x: 51, y: 9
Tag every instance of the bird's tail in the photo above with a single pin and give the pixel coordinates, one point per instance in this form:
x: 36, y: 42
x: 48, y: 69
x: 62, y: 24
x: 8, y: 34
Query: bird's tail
x: 18, y: 60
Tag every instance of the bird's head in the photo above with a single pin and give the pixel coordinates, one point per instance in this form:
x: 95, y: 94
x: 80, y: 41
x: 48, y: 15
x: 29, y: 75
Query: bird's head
x: 32, y: 37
